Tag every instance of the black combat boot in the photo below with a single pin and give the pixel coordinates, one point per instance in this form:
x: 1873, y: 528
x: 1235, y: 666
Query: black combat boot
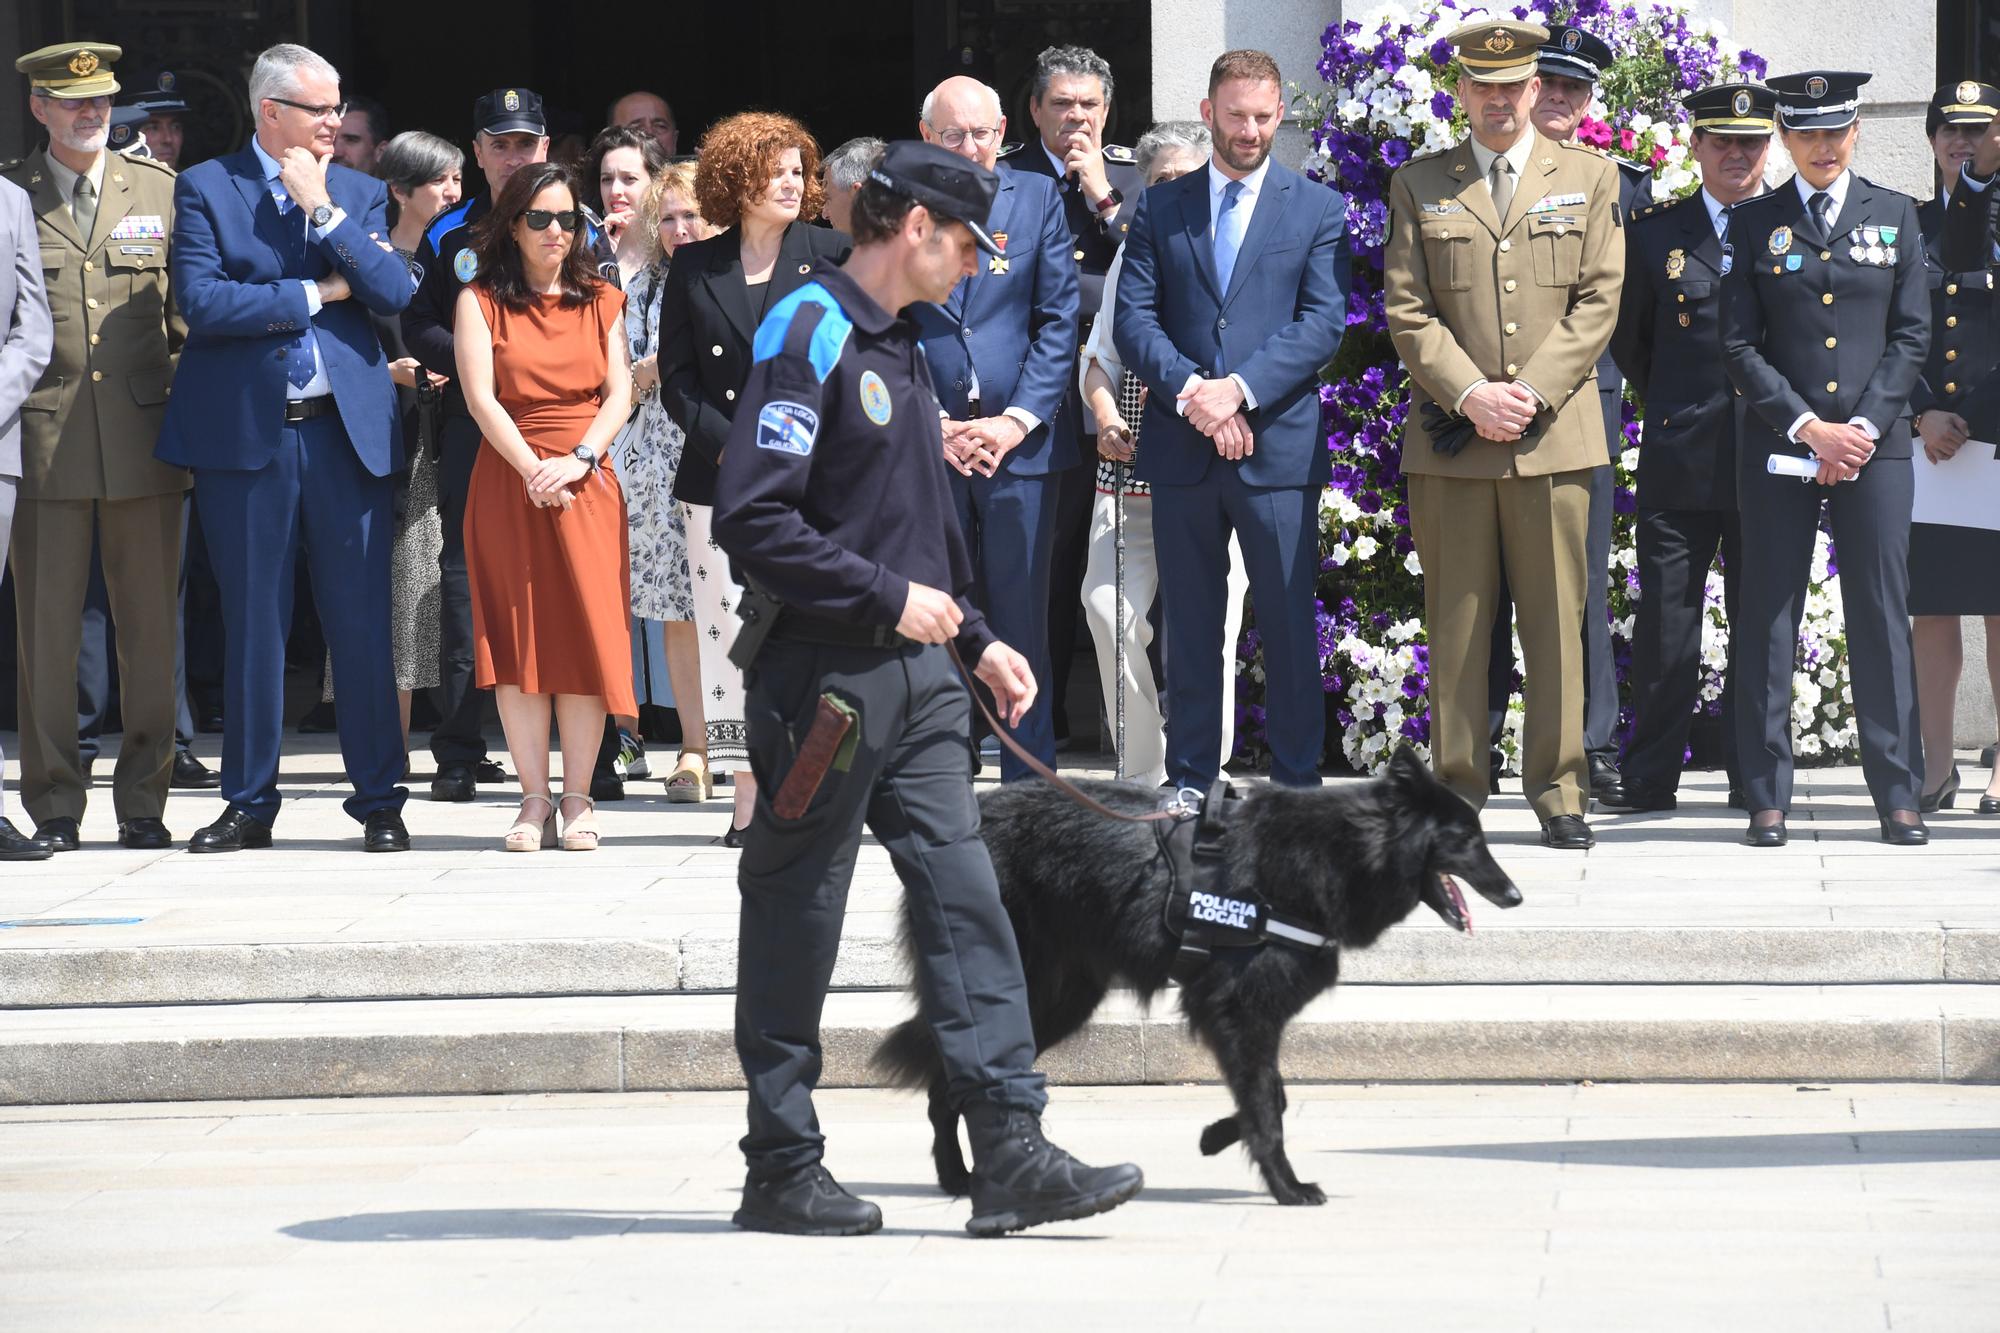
x: 1020, y: 1179
x: 806, y: 1202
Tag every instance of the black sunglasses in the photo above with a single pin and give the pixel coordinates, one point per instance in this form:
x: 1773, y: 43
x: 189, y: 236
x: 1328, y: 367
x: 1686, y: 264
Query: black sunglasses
x: 538, y: 219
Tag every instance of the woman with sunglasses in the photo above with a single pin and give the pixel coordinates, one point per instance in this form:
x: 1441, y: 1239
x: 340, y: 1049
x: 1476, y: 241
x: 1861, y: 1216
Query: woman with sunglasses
x: 543, y: 359
x: 759, y: 177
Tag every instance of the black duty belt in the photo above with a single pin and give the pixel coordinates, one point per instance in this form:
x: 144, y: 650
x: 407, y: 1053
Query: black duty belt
x: 305, y: 409
x: 800, y: 627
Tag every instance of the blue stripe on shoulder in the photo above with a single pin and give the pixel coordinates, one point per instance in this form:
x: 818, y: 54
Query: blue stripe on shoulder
x: 444, y: 222
x: 827, y: 340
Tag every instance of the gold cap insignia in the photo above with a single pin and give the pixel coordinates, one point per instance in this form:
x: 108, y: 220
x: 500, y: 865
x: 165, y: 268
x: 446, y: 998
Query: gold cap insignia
x: 1815, y: 87
x: 1740, y: 104
x: 1500, y: 43
x: 83, y: 63
x: 1968, y: 91
x: 167, y: 81
x: 512, y: 101
x: 1572, y: 39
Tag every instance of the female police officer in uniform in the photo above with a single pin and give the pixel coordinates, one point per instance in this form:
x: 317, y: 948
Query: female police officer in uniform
x: 833, y: 500
x: 1825, y: 322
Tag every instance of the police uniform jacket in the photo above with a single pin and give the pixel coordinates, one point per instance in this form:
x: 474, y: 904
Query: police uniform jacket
x: 1095, y: 235
x: 429, y: 317
x: 706, y: 327
x: 89, y: 428
x: 833, y: 494
x: 1668, y: 345
x: 1808, y: 327
x: 1971, y: 226
x: 1965, y: 330
x: 1471, y: 296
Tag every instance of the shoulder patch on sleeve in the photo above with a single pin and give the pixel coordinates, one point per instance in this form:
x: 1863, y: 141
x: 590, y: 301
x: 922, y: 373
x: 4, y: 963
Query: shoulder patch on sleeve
x: 444, y: 222
x: 828, y: 339
x: 787, y: 427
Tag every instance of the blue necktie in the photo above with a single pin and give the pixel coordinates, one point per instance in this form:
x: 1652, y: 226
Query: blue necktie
x: 1228, y: 233
x: 298, y: 352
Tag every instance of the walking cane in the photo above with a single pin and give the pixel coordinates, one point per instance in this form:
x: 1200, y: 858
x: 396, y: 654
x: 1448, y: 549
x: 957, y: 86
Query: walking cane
x: 1121, y: 472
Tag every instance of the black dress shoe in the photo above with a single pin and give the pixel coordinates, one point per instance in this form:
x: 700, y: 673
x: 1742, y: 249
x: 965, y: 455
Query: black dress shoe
x: 1898, y: 834
x: 1568, y: 833
x: 18, y: 846
x: 454, y: 782
x: 319, y: 722
x: 1603, y: 775
x: 144, y: 835
x: 734, y: 838
x: 1766, y: 835
x: 237, y: 830
x: 1942, y: 798
x: 190, y: 774
x: 806, y: 1202
x: 1633, y: 796
x: 1989, y: 805
x: 489, y: 770
x: 1736, y: 801
x: 606, y: 785
x: 59, y: 833
x: 384, y: 832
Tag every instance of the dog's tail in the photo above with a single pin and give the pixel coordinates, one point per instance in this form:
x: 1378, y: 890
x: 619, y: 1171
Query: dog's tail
x: 908, y: 1056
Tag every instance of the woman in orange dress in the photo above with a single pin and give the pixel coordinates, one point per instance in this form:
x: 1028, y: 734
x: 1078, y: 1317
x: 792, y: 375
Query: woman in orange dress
x: 543, y: 359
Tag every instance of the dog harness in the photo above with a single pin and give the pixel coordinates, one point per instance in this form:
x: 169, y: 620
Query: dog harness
x: 1204, y: 909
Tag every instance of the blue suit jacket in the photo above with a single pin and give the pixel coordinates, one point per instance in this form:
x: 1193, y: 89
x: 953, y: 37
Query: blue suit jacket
x: 1018, y: 326
x: 238, y: 288
x: 1280, y: 321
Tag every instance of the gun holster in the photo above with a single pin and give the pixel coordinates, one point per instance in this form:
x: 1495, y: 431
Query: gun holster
x: 759, y: 612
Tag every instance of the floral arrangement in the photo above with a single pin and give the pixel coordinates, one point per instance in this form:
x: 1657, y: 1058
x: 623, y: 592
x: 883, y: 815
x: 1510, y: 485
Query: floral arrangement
x: 1385, y: 97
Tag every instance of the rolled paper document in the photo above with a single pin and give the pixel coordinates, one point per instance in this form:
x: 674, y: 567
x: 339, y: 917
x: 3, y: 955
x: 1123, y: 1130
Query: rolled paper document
x: 1791, y: 465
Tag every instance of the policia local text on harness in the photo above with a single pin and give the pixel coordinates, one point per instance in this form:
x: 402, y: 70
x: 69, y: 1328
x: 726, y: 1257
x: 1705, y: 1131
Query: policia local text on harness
x: 1205, y: 910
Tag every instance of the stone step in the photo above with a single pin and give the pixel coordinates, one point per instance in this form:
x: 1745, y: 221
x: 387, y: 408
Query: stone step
x: 703, y: 958
x: 1538, y: 1033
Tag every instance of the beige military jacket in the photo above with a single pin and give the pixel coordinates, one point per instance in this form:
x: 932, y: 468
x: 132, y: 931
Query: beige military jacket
x: 88, y: 429
x: 1534, y: 296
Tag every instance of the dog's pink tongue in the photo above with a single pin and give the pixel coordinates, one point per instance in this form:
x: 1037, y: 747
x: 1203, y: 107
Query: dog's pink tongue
x: 1458, y: 901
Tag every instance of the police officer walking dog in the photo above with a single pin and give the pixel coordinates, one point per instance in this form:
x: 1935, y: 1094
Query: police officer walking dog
x: 1825, y: 323
x: 834, y: 504
x: 1667, y: 344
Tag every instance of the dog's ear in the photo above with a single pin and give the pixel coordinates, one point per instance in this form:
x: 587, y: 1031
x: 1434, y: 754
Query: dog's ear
x: 1407, y: 771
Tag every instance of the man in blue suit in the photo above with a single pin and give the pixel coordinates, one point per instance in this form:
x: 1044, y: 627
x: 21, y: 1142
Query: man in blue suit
x: 283, y: 407
x: 1233, y: 296
x: 1002, y: 352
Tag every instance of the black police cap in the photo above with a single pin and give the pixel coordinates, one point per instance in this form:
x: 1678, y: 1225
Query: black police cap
x: 509, y: 111
x: 1733, y: 108
x: 950, y: 186
x: 162, y: 98
x: 1819, y: 99
x: 1573, y: 53
x: 1967, y: 103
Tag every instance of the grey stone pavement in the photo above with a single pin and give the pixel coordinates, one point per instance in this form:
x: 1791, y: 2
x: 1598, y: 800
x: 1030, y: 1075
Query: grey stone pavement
x: 1589, y: 1208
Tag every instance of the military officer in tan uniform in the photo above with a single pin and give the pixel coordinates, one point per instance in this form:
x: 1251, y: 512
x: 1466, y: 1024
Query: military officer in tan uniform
x: 1504, y: 263
x: 87, y: 436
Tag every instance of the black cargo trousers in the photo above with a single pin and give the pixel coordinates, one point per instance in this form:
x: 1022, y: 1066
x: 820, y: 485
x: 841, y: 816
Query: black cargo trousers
x: 909, y: 783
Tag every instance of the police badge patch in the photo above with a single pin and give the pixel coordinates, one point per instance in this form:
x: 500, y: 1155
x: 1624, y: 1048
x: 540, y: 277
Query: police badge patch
x: 465, y: 265
x: 875, y: 398
x: 787, y: 427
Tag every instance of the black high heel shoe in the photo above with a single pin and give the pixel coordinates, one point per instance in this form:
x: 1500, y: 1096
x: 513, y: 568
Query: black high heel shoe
x: 1989, y: 805
x: 1942, y: 798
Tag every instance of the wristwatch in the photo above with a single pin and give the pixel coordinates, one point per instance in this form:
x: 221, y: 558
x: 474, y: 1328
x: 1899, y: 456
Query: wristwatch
x: 322, y: 215
x: 1110, y: 201
x: 587, y: 454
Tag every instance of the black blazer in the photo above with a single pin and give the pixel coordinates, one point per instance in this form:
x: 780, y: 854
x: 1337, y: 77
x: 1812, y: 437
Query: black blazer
x: 1834, y: 336
x: 706, y: 327
x: 1668, y: 345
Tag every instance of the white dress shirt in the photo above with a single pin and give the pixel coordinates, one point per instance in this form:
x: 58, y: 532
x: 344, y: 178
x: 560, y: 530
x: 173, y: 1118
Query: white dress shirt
x: 1718, y: 214
x: 319, y: 385
x: 1838, y: 190
x: 1246, y: 204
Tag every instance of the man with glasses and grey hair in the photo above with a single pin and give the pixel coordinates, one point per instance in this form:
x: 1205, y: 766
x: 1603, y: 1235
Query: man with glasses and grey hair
x: 1002, y: 351
x: 842, y: 173
x: 1070, y: 103
x: 284, y: 410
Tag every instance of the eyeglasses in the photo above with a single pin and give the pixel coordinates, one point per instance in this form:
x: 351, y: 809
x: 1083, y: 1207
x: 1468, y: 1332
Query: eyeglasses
x: 981, y: 136
x: 338, y: 111
x: 538, y: 219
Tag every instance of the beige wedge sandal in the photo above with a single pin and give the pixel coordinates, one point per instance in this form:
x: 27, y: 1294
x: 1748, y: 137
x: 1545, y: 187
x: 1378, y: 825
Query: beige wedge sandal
x: 576, y: 839
x: 527, y: 835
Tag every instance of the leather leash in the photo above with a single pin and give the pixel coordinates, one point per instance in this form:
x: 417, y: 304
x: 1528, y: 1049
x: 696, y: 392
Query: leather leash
x: 1047, y: 774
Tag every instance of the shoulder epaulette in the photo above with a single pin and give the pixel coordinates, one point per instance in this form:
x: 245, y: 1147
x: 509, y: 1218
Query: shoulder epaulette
x: 1580, y: 146
x: 1009, y: 149
x: 446, y: 219
x: 11, y: 163
x: 1118, y: 152
x: 152, y: 163
x: 828, y: 337
x: 1663, y: 206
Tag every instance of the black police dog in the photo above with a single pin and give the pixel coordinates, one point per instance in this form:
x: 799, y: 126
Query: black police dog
x: 1088, y: 895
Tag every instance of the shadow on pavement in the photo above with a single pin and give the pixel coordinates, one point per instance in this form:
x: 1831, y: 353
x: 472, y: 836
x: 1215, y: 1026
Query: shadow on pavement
x: 1741, y: 1151
x: 500, y: 1224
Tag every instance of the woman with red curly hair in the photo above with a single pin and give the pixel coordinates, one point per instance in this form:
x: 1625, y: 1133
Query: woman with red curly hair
x: 759, y: 180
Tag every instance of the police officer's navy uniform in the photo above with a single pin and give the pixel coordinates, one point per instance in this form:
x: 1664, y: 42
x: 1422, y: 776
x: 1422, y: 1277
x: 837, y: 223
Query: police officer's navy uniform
x: 1668, y: 346
x: 1826, y: 320
x: 1947, y: 564
x: 833, y: 498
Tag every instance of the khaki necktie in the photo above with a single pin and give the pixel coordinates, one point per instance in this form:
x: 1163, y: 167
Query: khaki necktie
x: 1502, y: 186
x: 83, y: 207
